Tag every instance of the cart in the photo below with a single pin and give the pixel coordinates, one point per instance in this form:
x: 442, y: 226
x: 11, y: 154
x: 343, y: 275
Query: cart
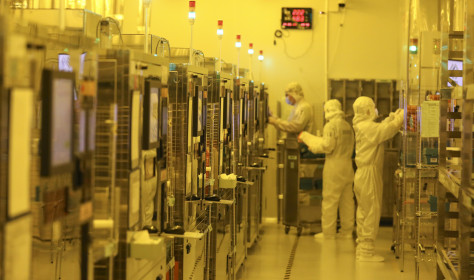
x: 301, y: 185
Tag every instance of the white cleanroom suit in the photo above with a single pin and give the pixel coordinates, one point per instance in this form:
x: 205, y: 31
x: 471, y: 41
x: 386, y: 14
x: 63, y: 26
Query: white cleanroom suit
x: 148, y: 191
x: 338, y: 175
x: 301, y: 117
x: 368, y: 183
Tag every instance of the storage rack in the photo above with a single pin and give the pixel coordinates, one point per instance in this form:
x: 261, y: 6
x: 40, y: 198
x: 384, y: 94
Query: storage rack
x: 456, y: 193
x: 420, y: 142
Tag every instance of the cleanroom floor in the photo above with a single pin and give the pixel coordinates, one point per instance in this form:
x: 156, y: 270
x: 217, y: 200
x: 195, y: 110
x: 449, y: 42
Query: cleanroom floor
x: 280, y: 256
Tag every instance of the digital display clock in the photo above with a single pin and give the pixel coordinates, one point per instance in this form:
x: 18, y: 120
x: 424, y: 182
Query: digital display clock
x: 296, y: 18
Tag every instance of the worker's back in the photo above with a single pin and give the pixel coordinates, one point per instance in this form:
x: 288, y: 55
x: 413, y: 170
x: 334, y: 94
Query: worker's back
x: 344, y: 135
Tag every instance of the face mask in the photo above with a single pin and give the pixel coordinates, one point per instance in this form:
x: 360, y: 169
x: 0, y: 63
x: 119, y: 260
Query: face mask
x: 288, y: 101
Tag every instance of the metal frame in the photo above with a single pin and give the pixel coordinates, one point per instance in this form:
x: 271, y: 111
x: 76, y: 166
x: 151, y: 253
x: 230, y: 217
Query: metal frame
x: 186, y: 162
x: 454, y: 246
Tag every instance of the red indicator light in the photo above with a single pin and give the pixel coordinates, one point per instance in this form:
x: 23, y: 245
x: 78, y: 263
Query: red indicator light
x: 238, y: 37
x: 192, y: 4
x: 220, y: 22
x: 261, y: 52
x: 250, y: 46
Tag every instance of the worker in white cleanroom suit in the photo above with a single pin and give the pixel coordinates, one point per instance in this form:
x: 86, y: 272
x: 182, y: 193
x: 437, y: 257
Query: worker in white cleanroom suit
x: 368, y: 184
x: 338, y: 175
x: 301, y: 117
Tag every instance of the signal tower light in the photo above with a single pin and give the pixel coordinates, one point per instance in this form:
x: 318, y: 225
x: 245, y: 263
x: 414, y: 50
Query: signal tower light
x: 250, y: 48
x: 220, y: 30
x: 413, y: 48
x: 260, y: 57
x: 238, y: 44
x: 192, y: 11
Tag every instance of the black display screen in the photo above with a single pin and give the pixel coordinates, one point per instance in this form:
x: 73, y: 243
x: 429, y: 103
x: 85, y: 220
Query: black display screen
x: 296, y: 18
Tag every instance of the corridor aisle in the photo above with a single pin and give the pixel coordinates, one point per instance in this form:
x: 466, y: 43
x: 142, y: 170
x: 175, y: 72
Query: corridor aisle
x: 270, y: 259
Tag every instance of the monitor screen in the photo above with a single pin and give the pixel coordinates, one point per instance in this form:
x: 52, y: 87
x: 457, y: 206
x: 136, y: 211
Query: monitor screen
x: 198, y: 116
x: 200, y: 108
x: 153, y: 115
x: 64, y: 64
x: 151, y: 110
x: 455, y: 65
x: 229, y: 108
x: 62, y: 108
x: 163, y: 130
x: 135, y: 129
x: 82, y: 62
x: 57, y: 121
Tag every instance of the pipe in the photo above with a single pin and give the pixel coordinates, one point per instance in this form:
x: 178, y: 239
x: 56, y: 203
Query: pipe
x: 62, y: 15
x: 191, y: 46
x: 145, y: 47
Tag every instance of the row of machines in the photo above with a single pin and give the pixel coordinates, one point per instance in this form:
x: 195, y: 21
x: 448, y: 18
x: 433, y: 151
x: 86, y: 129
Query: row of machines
x: 121, y: 161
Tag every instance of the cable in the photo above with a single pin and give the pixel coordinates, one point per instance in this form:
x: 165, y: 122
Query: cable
x: 118, y: 27
x: 338, y: 37
x: 161, y: 42
x: 109, y: 19
x: 280, y: 35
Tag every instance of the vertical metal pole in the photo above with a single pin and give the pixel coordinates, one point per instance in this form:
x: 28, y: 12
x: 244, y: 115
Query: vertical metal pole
x: 145, y: 47
x: 191, y: 45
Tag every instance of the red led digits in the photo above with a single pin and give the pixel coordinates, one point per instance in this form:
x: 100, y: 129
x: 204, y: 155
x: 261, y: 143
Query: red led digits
x: 296, y: 18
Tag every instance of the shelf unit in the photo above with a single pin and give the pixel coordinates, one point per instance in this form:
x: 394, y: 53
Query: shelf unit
x: 386, y: 97
x: 455, y: 246
x: 418, y: 207
x: 456, y: 193
x: 383, y: 92
x: 415, y: 213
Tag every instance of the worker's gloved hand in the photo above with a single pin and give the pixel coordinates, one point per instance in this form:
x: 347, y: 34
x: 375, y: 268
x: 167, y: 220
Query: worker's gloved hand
x: 272, y: 120
x: 398, y: 118
x: 391, y: 116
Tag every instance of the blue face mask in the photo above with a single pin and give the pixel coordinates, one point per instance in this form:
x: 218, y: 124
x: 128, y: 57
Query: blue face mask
x: 288, y: 101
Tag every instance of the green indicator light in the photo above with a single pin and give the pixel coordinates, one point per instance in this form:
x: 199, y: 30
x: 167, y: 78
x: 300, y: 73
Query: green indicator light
x: 413, y: 49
